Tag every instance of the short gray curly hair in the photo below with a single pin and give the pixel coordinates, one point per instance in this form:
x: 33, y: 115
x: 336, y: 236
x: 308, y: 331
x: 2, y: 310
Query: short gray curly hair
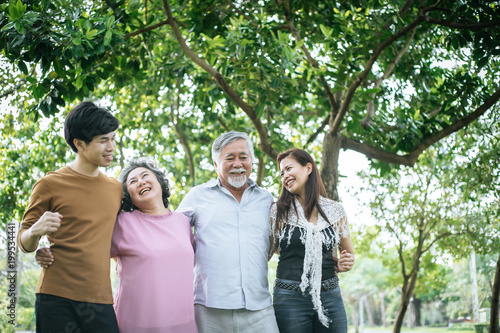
x: 225, y: 139
x: 143, y: 162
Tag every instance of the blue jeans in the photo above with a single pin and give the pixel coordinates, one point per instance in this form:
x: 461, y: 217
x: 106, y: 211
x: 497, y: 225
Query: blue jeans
x: 56, y: 314
x: 295, y: 314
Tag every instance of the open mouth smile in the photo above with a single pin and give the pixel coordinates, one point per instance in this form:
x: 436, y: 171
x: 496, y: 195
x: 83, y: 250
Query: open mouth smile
x: 144, y: 190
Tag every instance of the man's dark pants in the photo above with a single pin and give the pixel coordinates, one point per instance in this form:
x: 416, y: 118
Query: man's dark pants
x: 61, y: 315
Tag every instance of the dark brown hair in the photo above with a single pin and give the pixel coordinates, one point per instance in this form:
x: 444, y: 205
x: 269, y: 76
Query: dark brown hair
x: 314, y: 189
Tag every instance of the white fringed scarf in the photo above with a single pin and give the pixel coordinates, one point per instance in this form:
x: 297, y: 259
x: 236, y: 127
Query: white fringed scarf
x: 314, y: 237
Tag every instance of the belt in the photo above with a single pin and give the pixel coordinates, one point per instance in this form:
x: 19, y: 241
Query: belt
x: 328, y: 284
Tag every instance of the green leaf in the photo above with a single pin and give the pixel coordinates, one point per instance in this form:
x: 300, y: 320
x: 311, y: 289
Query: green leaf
x: 77, y: 40
x: 90, y: 34
x: 58, y: 67
x: 417, y: 114
x: 79, y: 82
x: 325, y: 30
x: 110, y: 22
x: 371, y: 91
x: 21, y: 8
x: 52, y: 75
x: 9, y: 25
x: 13, y: 11
x: 22, y: 67
x: 107, y: 37
x: 19, y: 27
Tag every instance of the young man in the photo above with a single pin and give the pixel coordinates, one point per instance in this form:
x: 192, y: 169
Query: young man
x: 231, y: 221
x: 76, y: 207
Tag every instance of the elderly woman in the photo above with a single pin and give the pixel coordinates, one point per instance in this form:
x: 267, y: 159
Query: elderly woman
x: 153, y: 247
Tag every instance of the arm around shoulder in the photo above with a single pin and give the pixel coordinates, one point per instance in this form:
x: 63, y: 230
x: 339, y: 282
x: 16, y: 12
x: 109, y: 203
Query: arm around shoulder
x: 187, y: 206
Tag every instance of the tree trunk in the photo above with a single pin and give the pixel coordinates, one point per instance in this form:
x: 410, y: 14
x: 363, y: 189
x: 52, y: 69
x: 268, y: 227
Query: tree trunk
x: 417, y: 306
x: 354, y: 313
x: 382, y: 309
x: 260, y: 171
x: 494, y: 324
x: 406, y: 293
x: 330, y: 164
x: 403, y: 306
x: 410, y: 315
x: 369, y: 311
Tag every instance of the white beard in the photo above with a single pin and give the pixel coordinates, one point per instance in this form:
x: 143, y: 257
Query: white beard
x: 237, y: 181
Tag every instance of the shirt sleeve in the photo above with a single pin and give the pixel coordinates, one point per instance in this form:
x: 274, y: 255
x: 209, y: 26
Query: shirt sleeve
x: 39, y: 204
x: 187, y: 207
x: 116, y: 238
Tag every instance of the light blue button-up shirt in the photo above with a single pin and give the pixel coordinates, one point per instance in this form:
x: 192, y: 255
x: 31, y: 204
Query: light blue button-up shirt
x: 232, y: 242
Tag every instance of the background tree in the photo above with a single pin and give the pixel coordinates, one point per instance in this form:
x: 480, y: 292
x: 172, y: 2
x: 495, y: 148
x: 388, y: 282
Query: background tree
x: 384, y: 79
x: 480, y: 179
x: 388, y: 80
x: 418, y: 209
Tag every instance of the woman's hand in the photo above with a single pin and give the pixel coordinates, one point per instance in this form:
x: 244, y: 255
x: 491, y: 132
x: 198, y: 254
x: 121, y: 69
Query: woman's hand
x: 346, y: 261
x: 44, y: 257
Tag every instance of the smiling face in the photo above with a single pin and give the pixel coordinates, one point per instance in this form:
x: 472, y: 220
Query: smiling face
x: 99, y: 151
x: 234, y: 165
x: 294, y: 176
x: 143, y: 187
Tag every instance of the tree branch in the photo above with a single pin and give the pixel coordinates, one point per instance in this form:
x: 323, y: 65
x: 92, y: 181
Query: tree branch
x: 335, y: 126
x: 310, y: 59
x: 388, y: 72
x: 146, y: 29
x: 372, y: 152
x: 456, y: 126
x: 446, y: 234
x: 319, y: 130
x: 223, y: 124
x: 182, y: 137
x: 468, y: 26
x: 13, y: 90
x: 401, y: 11
x: 411, y: 158
x: 264, y: 144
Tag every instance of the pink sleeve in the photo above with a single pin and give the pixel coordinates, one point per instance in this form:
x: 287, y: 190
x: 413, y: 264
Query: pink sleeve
x: 116, y: 238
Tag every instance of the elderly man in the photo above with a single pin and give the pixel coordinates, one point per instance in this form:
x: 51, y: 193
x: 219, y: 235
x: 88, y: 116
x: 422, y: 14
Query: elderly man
x: 231, y: 220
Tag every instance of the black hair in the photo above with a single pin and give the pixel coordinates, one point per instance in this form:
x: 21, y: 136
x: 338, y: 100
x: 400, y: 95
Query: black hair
x: 314, y: 189
x: 127, y: 205
x: 86, y: 121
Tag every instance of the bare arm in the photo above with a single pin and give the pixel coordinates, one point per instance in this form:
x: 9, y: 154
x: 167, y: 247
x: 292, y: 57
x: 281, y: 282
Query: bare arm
x: 48, y: 223
x: 346, y: 259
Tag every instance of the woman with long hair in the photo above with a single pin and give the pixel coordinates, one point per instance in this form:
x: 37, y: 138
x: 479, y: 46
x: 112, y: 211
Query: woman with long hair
x: 307, y: 229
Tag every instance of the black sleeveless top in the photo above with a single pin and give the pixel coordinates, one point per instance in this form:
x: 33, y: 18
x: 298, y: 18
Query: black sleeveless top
x: 291, y: 259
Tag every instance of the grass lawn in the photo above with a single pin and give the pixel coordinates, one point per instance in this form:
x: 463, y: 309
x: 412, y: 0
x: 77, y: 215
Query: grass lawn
x: 423, y: 329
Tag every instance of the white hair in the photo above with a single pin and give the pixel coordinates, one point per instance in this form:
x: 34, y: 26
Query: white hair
x: 225, y: 139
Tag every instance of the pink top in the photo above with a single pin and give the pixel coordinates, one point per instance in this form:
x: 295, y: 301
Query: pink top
x: 155, y: 266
